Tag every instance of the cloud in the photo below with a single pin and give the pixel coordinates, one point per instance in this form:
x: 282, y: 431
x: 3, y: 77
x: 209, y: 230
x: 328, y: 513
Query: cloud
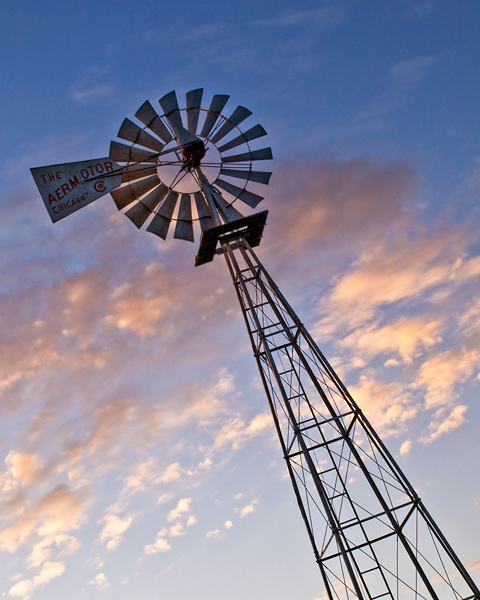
x: 421, y: 10
x: 248, y: 509
x: 100, y: 582
x: 113, y: 530
x: 59, y: 511
x: 42, y: 550
x: 181, y: 511
x: 411, y: 70
x: 445, y: 421
x: 388, y: 274
x: 474, y: 565
x: 349, y: 201
x: 387, y: 405
x: 219, y: 533
x: 469, y: 320
x: 90, y: 87
x: 324, y: 17
x: 441, y: 375
x: 145, y: 474
x: 23, y: 466
x: 405, y: 447
x: 236, y: 432
x: 407, y: 337
x: 137, y: 312
x: 25, y: 587
x: 182, y: 507
x: 160, y: 545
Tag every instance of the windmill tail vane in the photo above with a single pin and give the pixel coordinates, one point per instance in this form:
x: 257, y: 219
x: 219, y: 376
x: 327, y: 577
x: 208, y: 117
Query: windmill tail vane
x: 371, y: 535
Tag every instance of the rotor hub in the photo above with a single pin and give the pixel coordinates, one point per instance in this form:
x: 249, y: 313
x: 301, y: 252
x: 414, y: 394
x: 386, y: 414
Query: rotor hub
x: 193, y: 153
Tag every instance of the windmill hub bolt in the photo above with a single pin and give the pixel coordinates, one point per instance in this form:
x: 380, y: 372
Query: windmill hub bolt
x: 193, y: 154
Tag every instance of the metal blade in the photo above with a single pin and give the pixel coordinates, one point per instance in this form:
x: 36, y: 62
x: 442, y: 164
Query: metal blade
x: 184, y: 227
x: 244, y: 195
x: 228, y: 211
x: 257, y: 176
x: 203, y: 211
x: 238, y: 115
x: 140, y: 212
x: 139, y: 171
x: 263, y: 154
x: 129, y: 154
x: 172, y: 113
x: 251, y: 134
x: 149, y: 117
x: 194, y: 101
x: 133, y: 191
x: 131, y: 132
x: 216, y: 107
x: 161, y: 221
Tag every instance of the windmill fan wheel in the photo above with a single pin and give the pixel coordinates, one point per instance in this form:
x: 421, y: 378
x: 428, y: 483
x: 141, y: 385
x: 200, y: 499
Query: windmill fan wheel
x: 166, y: 153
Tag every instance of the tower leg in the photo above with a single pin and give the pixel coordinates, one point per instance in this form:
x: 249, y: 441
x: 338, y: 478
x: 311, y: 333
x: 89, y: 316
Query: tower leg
x: 370, y: 533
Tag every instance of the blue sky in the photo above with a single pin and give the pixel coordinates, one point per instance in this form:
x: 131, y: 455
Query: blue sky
x: 137, y: 455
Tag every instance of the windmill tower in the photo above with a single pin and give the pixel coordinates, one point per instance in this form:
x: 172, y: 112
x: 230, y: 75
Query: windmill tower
x: 371, y: 535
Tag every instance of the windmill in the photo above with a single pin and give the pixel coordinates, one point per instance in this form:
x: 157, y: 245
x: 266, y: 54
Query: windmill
x: 371, y: 535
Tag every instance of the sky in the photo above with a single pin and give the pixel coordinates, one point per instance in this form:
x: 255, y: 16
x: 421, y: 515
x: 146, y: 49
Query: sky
x: 137, y: 455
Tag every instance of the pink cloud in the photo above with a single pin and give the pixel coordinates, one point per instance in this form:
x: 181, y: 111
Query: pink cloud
x: 407, y: 337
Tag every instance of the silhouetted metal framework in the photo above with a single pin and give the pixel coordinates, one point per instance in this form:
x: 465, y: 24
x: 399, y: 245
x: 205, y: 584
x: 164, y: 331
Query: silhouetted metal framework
x: 371, y: 535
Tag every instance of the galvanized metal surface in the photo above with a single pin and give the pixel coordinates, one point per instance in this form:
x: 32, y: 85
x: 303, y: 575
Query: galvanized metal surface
x: 238, y: 115
x: 184, y: 226
x: 149, y: 117
x: 216, y: 107
x: 251, y: 134
x: 68, y: 187
x: 131, y: 132
x: 194, y: 102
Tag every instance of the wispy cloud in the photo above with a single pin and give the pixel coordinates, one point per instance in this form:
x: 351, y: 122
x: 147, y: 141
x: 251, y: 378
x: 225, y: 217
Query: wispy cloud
x: 25, y: 587
x: 91, y: 86
x: 324, y: 17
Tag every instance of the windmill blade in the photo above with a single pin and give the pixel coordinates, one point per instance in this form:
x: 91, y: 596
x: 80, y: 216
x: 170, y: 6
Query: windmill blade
x: 203, y: 211
x: 184, y: 226
x: 226, y: 209
x: 149, y: 117
x: 194, y: 101
x: 251, y: 134
x: 161, y: 221
x: 257, y: 176
x: 129, y: 154
x: 140, y: 212
x: 263, y: 154
x: 238, y: 115
x: 133, y: 191
x: 172, y: 112
x: 131, y: 132
x: 216, y: 107
x: 139, y: 171
x: 242, y: 194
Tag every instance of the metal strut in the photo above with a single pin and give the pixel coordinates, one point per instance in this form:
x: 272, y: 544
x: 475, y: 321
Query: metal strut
x: 371, y: 535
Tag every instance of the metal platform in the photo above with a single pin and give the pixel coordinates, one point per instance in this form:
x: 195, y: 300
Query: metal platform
x: 249, y: 228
